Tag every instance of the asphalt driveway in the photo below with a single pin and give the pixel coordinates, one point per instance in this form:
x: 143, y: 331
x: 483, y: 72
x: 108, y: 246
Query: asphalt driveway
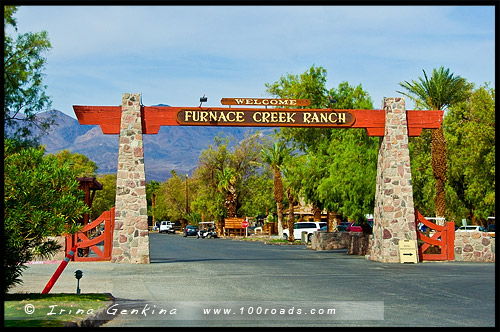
x: 189, y: 274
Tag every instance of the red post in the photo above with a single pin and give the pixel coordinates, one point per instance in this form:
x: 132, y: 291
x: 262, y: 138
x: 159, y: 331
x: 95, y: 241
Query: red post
x: 451, y: 240
x: 108, y: 234
x: 59, y: 270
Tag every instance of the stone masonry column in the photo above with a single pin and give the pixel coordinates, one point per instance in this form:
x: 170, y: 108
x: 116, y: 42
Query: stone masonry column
x: 130, y: 236
x: 394, y: 217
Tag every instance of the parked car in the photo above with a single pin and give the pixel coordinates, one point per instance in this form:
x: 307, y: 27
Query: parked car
x: 491, y: 230
x: 355, y: 226
x: 340, y: 227
x: 423, y: 228
x: 167, y: 227
x: 471, y: 228
x: 304, y: 226
x: 190, y: 230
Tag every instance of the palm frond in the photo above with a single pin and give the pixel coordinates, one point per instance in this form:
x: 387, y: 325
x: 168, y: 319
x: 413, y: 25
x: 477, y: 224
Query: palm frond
x: 442, y: 90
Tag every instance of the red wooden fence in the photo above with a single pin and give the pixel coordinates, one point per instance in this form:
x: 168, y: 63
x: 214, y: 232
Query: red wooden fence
x: 81, y: 240
x: 444, y: 237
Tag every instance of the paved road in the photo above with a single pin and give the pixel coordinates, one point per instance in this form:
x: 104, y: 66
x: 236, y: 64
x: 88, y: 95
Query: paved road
x: 250, y: 276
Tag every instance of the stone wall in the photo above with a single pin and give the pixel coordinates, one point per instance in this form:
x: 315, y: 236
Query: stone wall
x: 474, y: 247
x: 130, y: 236
x: 469, y: 246
x: 329, y: 241
x: 394, y: 217
x: 356, y: 243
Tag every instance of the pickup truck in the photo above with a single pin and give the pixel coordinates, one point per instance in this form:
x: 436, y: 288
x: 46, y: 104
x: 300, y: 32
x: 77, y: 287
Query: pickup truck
x: 167, y: 227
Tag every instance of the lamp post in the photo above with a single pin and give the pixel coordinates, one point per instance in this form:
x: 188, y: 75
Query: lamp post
x: 78, y: 276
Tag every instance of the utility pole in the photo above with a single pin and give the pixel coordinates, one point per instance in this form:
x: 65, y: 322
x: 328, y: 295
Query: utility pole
x: 187, y: 196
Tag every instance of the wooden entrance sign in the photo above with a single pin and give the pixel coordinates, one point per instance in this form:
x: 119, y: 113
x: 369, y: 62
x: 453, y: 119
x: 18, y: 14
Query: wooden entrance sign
x: 394, y: 123
x: 264, y: 118
x: 153, y: 117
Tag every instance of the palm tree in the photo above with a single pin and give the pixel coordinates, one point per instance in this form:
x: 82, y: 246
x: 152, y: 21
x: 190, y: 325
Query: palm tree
x: 226, y: 180
x: 274, y: 156
x: 442, y: 90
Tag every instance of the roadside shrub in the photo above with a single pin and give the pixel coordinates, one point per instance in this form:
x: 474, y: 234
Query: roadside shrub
x: 41, y: 199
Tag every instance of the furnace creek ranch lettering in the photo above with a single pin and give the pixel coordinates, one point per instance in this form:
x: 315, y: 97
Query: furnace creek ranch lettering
x: 228, y: 117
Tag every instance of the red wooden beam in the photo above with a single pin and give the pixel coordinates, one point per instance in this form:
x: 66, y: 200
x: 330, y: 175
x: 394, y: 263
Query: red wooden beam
x: 109, y: 117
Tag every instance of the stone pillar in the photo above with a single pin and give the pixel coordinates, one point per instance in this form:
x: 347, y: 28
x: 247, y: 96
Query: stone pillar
x: 130, y: 236
x: 394, y: 217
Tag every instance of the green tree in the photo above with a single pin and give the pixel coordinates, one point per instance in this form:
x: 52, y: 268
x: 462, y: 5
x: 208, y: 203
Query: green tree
x: 293, y: 168
x: 338, y: 169
x: 151, y: 196
x: 81, y: 164
x: 469, y: 129
x: 226, y: 182
x: 41, y: 199
x: 171, y: 198
x: 439, y: 92
x: 422, y: 179
x: 223, y: 176
x: 259, y: 199
x: 275, y: 156
x: 24, y: 90
x: 350, y: 165
x: 104, y: 199
x: 210, y: 200
x: 207, y: 200
x: 309, y: 85
x: 350, y: 160
x: 247, y: 163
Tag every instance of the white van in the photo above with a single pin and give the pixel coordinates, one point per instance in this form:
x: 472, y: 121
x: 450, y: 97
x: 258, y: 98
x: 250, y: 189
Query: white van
x: 305, y: 226
x: 167, y: 227
x: 472, y: 228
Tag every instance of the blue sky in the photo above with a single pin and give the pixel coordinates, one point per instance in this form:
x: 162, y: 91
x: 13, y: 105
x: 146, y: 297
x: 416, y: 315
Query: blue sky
x: 175, y: 54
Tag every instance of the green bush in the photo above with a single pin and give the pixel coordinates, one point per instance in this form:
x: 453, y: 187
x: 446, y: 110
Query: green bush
x: 41, y: 199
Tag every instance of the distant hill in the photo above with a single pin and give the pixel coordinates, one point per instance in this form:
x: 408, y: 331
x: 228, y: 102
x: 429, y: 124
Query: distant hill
x: 173, y: 148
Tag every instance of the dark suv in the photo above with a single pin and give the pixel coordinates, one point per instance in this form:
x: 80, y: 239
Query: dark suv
x: 190, y: 230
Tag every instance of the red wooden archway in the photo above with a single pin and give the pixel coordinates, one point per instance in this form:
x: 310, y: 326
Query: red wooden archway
x: 109, y: 117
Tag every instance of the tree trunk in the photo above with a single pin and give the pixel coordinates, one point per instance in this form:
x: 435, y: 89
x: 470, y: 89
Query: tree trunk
x: 333, y: 222
x: 230, y: 204
x: 278, y: 196
x: 219, y: 227
x: 316, y: 214
x: 439, y: 166
x: 279, y: 207
x: 291, y: 217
